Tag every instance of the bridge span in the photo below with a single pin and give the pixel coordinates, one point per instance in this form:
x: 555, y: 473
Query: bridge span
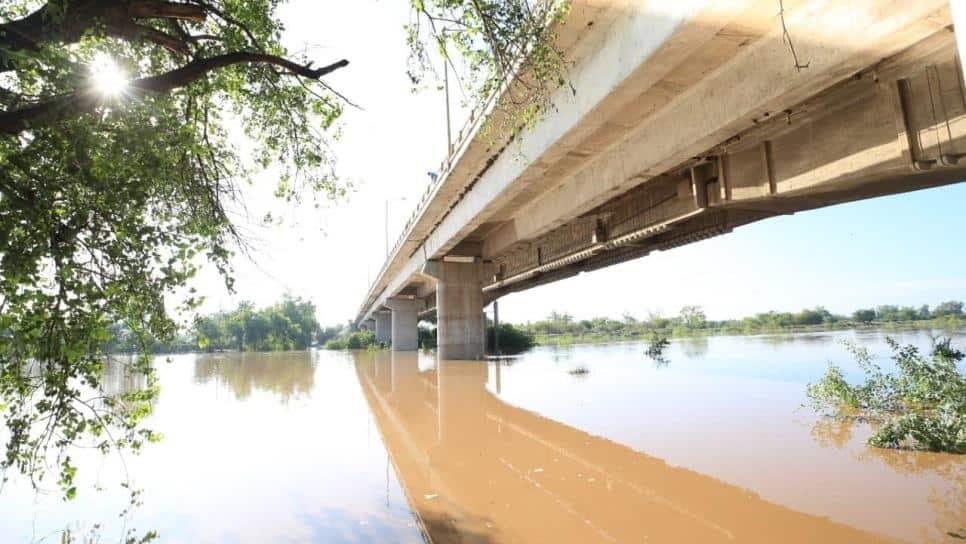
x: 683, y: 120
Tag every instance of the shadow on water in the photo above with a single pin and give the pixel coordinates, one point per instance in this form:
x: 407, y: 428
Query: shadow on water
x: 285, y: 374
x: 475, y: 468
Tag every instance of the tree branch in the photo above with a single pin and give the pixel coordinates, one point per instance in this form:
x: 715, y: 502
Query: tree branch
x: 48, y: 24
x: 71, y: 105
x: 133, y: 31
x: 167, y: 10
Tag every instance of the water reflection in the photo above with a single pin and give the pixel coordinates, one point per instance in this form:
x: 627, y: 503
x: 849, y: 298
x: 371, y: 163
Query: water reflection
x: 694, y: 347
x: 473, y: 465
x: 285, y: 374
x: 947, y: 501
x: 118, y: 378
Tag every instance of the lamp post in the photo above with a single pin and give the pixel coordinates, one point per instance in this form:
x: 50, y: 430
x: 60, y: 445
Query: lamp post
x: 449, y: 137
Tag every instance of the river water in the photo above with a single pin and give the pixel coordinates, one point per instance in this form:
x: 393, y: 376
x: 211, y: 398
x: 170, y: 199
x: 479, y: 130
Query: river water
x: 712, y: 446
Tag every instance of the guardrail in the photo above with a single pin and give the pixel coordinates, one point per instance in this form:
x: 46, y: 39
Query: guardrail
x: 465, y: 135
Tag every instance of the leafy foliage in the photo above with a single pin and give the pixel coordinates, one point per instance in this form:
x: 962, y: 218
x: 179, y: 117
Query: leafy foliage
x: 287, y: 325
x: 108, y: 202
x: 490, y: 44
x: 512, y: 339
x: 656, y: 345
x: 921, y: 406
x: 361, y: 339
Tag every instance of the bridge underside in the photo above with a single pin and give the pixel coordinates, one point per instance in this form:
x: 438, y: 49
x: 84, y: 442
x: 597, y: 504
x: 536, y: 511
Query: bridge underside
x: 894, y: 127
x: 715, y: 129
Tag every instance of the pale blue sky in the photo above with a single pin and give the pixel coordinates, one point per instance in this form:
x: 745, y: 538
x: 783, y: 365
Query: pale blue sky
x: 905, y: 249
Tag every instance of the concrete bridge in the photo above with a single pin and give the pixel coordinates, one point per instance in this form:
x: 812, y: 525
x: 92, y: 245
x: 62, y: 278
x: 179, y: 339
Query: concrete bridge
x: 687, y: 119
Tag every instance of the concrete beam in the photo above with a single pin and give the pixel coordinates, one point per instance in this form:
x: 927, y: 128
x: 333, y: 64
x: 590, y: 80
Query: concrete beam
x: 760, y: 82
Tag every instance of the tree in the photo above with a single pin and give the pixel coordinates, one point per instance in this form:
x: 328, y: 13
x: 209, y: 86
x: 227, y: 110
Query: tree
x: 863, y: 316
x: 116, y: 166
x: 693, y: 317
x: 949, y: 308
x: 489, y: 44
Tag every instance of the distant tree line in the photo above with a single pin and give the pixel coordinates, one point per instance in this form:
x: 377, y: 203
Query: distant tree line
x: 286, y: 325
x: 512, y: 339
x: 692, y: 319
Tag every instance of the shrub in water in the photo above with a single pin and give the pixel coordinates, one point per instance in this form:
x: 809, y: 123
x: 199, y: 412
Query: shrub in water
x: 920, y: 406
x: 512, y: 339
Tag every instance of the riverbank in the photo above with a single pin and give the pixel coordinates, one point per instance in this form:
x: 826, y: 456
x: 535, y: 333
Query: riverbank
x: 636, y: 335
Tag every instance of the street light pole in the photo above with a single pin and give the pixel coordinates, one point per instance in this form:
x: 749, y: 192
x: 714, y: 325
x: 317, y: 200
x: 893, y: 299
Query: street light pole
x: 449, y: 137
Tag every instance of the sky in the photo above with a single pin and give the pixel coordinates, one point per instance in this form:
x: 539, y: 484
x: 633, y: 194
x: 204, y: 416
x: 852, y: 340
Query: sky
x: 905, y: 249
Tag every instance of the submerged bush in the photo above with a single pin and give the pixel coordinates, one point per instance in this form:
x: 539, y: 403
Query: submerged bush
x: 656, y: 344
x: 921, y: 406
x: 427, y: 337
x: 512, y: 339
x: 362, y: 339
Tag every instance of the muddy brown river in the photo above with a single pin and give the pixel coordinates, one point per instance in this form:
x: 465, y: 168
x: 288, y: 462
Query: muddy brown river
x: 713, y: 446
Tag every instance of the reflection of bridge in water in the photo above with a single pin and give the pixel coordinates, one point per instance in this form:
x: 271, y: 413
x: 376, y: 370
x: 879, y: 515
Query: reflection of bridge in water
x: 476, y: 469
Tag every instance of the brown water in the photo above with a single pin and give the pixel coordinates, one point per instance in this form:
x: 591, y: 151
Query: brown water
x: 392, y: 447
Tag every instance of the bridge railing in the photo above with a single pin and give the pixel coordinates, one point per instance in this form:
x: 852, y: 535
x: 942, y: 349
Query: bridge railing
x: 471, y: 127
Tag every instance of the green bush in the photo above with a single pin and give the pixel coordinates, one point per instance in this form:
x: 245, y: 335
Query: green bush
x: 921, y: 406
x: 656, y: 344
x: 427, y: 337
x: 361, y: 339
x: 512, y: 339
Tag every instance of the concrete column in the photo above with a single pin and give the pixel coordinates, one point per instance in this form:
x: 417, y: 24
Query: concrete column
x: 369, y: 324
x: 405, y: 337
x: 383, y: 326
x: 459, y: 309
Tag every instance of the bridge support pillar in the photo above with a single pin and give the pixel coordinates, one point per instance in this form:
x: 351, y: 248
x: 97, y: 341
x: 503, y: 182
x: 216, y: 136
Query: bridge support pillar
x: 404, y: 319
x: 383, y: 326
x: 369, y: 324
x: 459, y: 309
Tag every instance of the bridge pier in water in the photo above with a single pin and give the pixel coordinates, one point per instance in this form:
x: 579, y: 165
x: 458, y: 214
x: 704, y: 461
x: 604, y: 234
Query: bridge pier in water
x: 383, y: 326
x: 459, y: 309
x: 404, y: 318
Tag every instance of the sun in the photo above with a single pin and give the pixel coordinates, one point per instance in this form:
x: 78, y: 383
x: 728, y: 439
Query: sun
x: 108, y: 78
